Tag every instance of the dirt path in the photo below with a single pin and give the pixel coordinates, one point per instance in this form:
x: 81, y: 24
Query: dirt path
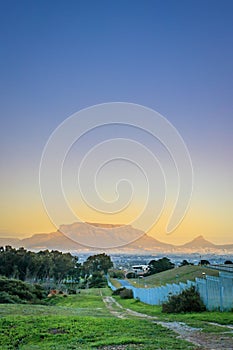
x: 203, y: 341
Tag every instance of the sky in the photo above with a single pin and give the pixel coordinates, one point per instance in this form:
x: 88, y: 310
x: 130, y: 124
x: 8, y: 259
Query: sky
x: 175, y: 57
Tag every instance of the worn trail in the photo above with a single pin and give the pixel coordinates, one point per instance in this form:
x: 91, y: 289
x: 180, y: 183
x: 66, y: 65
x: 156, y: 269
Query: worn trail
x: 202, y: 341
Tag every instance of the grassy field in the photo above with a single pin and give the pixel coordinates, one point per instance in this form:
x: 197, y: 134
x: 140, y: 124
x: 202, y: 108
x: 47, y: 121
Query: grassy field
x: 115, y: 282
x: 197, y: 320
x: 79, y: 322
x: 179, y: 274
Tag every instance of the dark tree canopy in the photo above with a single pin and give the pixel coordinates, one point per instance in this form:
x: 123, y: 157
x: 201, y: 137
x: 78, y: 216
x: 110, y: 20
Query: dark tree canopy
x: 204, y: 262
x: 160, y: 265
x: 97, y: 263
x: 228, y: 262
x: 44, y: 265
x: 185, y: 263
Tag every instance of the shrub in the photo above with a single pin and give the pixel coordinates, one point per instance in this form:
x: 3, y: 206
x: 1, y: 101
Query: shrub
x: 187, y: 301
x: 97, y: 280
x: 130, y: 275
x: 114, y: 273
x: 126, y: 294
x: 16, y: 291
x: 118, y: 290
x: 71, y: 291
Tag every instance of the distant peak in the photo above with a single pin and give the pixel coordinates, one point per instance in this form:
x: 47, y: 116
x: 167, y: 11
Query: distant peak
x: 198, y: 238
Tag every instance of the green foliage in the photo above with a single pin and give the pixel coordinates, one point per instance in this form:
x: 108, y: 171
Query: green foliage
x: 97, y: 280
x: 228, y: 262
x: 114, y: 273
x: 118, y: 290
x: 16, y: 291
x: 97, y: 263
x: 84, y: 333
x: 71, y: 291
x: 204, y: 262
x: 130, y: 275
x: 156, y: 266
x: 41, y: 266
x: 126, y: 294
x: 187, y: 301
x: 185, y: 263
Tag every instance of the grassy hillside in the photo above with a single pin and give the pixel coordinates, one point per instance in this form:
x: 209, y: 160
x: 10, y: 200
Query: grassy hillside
x: 179, y: 274
x: 79, y: 322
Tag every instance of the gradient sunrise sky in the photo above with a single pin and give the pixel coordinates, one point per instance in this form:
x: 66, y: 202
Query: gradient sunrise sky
x: 176, y: 57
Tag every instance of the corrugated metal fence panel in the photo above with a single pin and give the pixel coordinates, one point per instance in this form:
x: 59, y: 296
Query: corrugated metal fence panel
x: 216, y: 292
x: 226, y: 280
x: 202, y: 289
x: 213, y: 292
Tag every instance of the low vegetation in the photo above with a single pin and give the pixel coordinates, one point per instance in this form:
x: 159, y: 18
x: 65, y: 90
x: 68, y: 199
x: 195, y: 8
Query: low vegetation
x: 79, y: 322
x: 15, y: 291
x: 179, y: 274
x: 124, y: 293
x: 187, y: 301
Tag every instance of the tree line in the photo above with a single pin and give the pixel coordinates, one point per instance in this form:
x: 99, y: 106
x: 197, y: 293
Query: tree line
x: 51, y: 265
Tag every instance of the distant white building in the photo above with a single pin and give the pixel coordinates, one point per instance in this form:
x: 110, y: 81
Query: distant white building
x: 140, y: 269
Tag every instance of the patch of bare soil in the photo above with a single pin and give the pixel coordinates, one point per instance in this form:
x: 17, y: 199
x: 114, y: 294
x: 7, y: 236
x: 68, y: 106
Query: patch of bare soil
x: 203, y: 341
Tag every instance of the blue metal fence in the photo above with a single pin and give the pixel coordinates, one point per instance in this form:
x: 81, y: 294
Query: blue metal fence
x: 216, y: 292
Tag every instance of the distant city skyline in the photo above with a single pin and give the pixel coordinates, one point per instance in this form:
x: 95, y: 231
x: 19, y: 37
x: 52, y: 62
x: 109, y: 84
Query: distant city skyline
x: 172, y: 56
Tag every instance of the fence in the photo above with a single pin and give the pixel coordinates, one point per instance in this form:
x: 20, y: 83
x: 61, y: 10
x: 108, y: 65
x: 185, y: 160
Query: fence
x: 226, y: 268
x: 157, y: 295
x: 217, y: 292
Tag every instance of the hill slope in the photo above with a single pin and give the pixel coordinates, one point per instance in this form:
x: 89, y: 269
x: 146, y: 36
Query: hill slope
x: 179, y: 274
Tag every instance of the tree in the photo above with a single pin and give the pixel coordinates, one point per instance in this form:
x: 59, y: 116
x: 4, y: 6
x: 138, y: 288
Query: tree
x: 41, y: 266
x: 228, y: 262
x: 160, y: 265
x: 97, y: 280
x: 185, y: 263
x: 204, y: 262
x: 97, y: 263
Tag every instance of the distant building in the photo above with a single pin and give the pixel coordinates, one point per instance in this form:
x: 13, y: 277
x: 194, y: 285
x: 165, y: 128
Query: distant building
x: 140, y: 269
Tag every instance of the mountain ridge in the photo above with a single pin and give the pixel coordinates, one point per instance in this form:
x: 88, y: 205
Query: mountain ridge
x: 143, y: 243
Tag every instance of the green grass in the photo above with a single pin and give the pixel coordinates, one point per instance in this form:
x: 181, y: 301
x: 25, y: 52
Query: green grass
x: 86, y: 298
x: 87, y: 303
x: 83, y: 333
x: 115, y: 282
x: 176, y: 275
x: 78, y: 322
x: 196, y: 320
x: 82, y: 321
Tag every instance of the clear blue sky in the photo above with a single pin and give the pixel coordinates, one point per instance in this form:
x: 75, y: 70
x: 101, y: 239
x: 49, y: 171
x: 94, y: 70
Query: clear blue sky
x: 60, y: 56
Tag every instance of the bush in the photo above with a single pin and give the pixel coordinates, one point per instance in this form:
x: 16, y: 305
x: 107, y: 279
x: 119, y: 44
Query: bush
x: 71, y: 291
x: 130, y: 275
x: 187, y: 301
x: 118, y: 290
x: 114, y: 273
x: 97, y: 280
x: 16, y: 291
x: 126, y: 294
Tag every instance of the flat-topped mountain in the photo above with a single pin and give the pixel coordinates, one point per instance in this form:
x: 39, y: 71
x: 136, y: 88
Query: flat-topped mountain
x: 85, y: 237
